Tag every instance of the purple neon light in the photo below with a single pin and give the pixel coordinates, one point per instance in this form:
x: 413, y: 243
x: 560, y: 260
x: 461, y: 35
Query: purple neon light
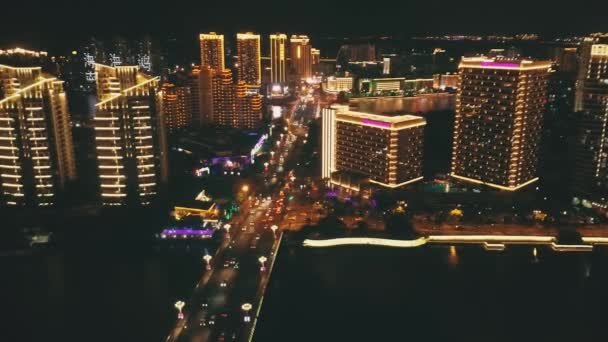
x: 376, y: 123
x: 187, y: 231
x: 500, y: 65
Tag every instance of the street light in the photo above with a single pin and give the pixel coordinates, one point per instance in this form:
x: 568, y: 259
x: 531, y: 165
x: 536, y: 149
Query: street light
x: 207, y: 259
x: 246, y: 308
x: 245, y: 188
x: 274, y: 228
x: 179, y: 305
x: 227, y: 226
x: 262, y: 260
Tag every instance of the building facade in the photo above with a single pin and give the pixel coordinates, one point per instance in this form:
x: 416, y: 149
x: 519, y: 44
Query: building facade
x: 278, y: 57
x: 36, y: 148
x: 177, y: 107
x: 387, y: 150
x: 338, y: 84
x: 249, y: 68
x: 498, y: 122
x: 129, y: 136
x: 301, y: 56
x: 591, y: 153
x: 212, y: 50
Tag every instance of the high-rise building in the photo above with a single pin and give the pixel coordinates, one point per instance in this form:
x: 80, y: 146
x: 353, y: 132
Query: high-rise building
x: 249, y: 69
x: 194, y: 85
x: 387, y: 150
x: 277, y: 57
x: 36, y: 150
x: 301, y: 56
x: 315, y: 55
x: 248, y: 108
x: 222, y: 96
x: 212, y: 50
x: 177, y: 107
x: 328, y: 142
x: 129, y: 136
x: 498, y: 123
x: 591, y: 153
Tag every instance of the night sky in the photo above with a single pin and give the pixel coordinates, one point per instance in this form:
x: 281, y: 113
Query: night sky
x: 59, y: 24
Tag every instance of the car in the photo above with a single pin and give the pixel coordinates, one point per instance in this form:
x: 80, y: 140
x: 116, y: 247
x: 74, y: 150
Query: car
x: 224, y: 283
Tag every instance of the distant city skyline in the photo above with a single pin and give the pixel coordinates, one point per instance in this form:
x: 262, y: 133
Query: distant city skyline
x: 64, y: 22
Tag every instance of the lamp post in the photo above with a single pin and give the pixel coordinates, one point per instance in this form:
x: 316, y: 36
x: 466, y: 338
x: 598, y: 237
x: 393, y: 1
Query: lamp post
x: 207, y: 259
x: 179, y: 305
x: 274, y: 228
x: 262, y: 261
x: 246, y: 309
x: 227, y: 226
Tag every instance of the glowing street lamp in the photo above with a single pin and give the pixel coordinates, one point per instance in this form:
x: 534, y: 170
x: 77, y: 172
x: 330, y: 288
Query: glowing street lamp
x: 274, y: 228
x: 262, y: 261
x: 272, y: 154
x: 246, y: 309
x: 245, y: 188
x: 179, y: 305
x: 207, y: 259
x: 227, y: 226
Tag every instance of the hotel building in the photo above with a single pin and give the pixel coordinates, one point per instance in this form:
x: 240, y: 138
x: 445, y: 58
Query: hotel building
x: 591, y: 166
x: 36, y: 150
x: 249, y: 68
x: 129, y: 136
x: 301, y: 56
x: 212, y: 50
x: 498, y: 122
x: 387, y: 150
x: 277, y: 57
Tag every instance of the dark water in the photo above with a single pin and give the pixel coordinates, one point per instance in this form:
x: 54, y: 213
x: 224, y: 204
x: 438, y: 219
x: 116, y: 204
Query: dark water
x: 104, y: 294
x: 435, y: 293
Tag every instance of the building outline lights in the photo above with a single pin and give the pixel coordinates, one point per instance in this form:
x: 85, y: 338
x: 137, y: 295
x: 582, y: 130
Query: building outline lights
x: 129, y: 136
x: 498, y: 122
x: 278, y: 56
x: 249, y: 69
x: 386, y: 150
x: 36, y: 150
x: 212, y: 50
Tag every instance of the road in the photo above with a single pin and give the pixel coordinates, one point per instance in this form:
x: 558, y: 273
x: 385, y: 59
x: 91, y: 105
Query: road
x: 214, y: 312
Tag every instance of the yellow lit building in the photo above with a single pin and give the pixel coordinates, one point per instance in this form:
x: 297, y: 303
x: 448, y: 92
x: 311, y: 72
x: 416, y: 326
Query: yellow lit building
x: 315, y: 55
x: 387, y: 150
x: 498, y: 123
x: 36, y: 150
x: 277, y: 57
x: 129, y: 136
x: 212, y: 50
x: 301, y: 56
x: 591, y: 168
x: 248, y: 108
x: 249, y: 69
x: 177, y: 107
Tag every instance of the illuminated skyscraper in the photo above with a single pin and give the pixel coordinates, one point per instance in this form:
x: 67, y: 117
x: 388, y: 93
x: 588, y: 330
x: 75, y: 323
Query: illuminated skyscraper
x: 328, y: 142
x: 277, y: 57
x: 222, y: 90
x: 591, y: 167
x: 315, y: 55
x: 212, y: 50
x: 387, y: 150
x: 497, y: 128
x: 301, y: 56
x: 249, y: 59
x: 248, y: 108
x: 36, y: 151
x: 177, y: 107
x: 129, y: 135
x: 194, y: 85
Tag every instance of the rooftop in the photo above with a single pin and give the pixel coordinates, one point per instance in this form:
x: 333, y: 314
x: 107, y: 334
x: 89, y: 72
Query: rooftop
x: 503, y: 63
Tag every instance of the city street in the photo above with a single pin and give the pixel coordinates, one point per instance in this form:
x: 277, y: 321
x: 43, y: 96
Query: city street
x: 226, y: 300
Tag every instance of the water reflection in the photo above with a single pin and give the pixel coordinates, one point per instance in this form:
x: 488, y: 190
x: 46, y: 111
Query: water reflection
x: 453, y: 256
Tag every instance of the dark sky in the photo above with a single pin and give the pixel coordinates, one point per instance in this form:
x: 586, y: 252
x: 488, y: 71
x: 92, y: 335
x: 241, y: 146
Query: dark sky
x: 51, y: 24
